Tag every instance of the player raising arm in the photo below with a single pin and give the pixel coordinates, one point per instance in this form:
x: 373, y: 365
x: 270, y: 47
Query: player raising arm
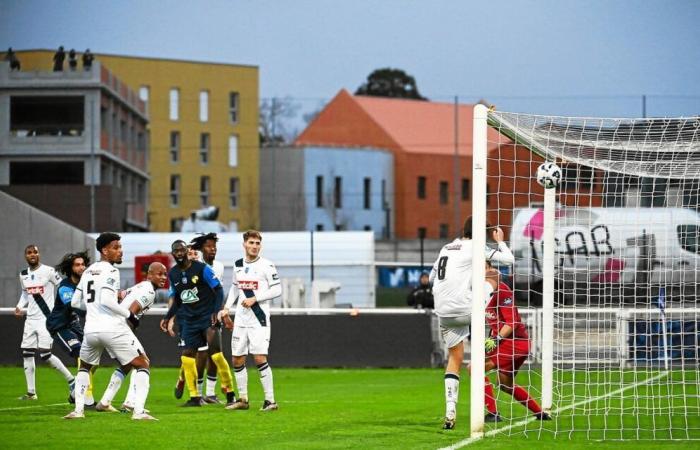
x: 106, y: 327
x: 451, y: 277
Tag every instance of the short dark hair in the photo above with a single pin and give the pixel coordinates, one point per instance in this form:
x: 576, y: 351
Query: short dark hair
x: 178, y: 241
x: 66, y: 265
x: 251, y: 234
x: 467, y: 230
x: 104, y: 239
x: 31, y: 246
x: 198, y: 242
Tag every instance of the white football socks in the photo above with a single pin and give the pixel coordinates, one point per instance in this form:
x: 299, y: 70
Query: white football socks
x: 451, y: 394
x: 29, y: 371
x: 115, y: 382
x: 82, y: 381
x: 141, y: 387
x: 241, y: 374
x: 266, y: 380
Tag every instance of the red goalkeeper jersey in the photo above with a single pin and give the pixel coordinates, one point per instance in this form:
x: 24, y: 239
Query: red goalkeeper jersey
x: 501, y: 310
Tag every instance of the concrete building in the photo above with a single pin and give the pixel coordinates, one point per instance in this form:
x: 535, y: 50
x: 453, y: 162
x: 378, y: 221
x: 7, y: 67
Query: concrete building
x: 326, y: 189
x: 75, y: 145
x: 203, y: 132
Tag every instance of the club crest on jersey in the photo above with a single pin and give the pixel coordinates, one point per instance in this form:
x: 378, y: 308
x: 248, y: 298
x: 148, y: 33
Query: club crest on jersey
x: 508, y: 301
x: 275, y: 276
x: 35, y: 290
x: 246, y: 270
x: 189, y: 296
x: 111, y: 281
x: 252, y: 285
x: 195, y: 279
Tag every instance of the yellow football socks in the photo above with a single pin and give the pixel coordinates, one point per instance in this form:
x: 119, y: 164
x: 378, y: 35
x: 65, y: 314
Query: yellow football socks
x: 189, y: 366
x: 224, y: 371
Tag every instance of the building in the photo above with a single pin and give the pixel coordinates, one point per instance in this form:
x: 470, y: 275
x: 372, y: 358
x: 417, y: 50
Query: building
x: 203, y: 131
x: 328, y: 188
x: 75, y: 145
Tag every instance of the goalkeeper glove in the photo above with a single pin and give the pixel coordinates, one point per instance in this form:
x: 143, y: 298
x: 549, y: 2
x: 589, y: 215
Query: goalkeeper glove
x: 491, y: 343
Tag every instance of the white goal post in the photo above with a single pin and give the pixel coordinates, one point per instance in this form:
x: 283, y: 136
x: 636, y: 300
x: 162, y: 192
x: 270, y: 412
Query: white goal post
x: 610, y: 262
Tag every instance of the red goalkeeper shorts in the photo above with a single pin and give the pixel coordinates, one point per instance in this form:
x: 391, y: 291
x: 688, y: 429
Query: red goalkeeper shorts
x: 510, y: 355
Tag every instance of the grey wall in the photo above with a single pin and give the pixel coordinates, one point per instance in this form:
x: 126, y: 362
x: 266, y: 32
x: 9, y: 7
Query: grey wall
x: 21, y: 224
x: 282, y: 205
x: 387, y: 340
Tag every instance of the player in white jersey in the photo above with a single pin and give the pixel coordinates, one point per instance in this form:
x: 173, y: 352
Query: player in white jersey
x: 255, y: 283
x: 141, y: 296
x: 106, y: 325
x: 451, y: 277
x: 39, y: 283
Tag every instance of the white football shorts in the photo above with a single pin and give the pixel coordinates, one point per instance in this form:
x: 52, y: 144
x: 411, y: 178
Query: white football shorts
x: 454, y: 329
x: 36, y: 335
x: 121, y: 345
x: 250, y: 341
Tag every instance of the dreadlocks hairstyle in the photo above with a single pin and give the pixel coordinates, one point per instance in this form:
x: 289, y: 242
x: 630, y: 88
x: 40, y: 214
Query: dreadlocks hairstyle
x: 66, y: 265
x: 198, y: 242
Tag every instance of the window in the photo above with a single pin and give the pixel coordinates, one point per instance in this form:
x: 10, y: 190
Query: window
x: 174, y: 146
x: 575, y: 176
x: 368, y: 228
x: 204, y: 148
x: 421, y: 187
x: 176, y: 224
x: 465, y: 189
x: 47, y: 173
x: 385, y: 205
x: 444, y: 231
x: 421, y: 232
x: 203, y: 106
x: 338, y: 227
x: 47, y: 115
x: 233, y: 107
x: 689, y: 237
x: 367, y: 193
x: 204, y: 191
x: 233, y: 150
x: 233, y: 193
x: 144, y: 93
x: 174, y: 190
x: 319, y: 227
x: 444, y: 194
x: 319, y: 191
x: 338, y: 193
x: 174, y: 104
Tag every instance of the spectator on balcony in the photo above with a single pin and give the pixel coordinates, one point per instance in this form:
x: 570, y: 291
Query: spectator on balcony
x: 422, y: 295
x: 72, y: 60
x: 11, y: 57
x: 87, y: 60
x: 58, y: 59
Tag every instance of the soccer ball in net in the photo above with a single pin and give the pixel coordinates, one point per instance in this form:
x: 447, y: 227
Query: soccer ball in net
x: 548, y: 175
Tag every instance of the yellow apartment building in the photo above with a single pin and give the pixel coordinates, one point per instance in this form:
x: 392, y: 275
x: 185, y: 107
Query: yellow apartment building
x: 203, y: 127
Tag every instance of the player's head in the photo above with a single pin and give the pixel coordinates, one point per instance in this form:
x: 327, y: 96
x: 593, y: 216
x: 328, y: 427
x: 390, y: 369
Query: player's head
x: 109, y: 247
x: 192, y: 253
x: 467, y: 229
x: 206, y: 243
x: 424, y: 278
x: 31, y: 254
x: 74, y: 264
x: 179, y: 251
x: 252, y: 241
x: 157, y: 274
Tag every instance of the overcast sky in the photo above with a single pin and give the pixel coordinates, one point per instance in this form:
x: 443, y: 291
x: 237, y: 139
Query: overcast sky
x: 593, y: 57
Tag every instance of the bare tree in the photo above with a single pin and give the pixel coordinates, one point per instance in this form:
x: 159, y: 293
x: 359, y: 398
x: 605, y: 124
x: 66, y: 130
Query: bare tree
x: 275, y: 117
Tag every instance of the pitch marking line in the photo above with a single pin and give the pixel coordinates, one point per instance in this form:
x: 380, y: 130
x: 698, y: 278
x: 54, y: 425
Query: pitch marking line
x: 469, y: 441
x: 34, y: 406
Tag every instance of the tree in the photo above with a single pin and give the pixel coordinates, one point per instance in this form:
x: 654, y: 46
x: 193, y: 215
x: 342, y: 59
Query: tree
x: 387, y: 82
x: 275, y: 114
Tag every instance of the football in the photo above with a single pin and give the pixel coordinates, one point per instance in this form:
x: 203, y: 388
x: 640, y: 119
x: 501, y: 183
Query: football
x: 548, y: 175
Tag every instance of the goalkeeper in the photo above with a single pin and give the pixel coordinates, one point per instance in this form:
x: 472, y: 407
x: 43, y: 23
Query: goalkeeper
x: 506, y: 349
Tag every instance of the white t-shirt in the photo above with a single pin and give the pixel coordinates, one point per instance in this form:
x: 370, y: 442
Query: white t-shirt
x: 218, y: 268
x: 452, y: 276
x: 143, y: 293
x: 38, y: 291
x: 97, y: 293
x: 260, y: 277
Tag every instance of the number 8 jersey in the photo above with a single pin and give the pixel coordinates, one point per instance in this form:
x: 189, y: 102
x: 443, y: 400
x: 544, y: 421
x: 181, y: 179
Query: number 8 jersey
x: 452, y: 275
x: 97, y: 293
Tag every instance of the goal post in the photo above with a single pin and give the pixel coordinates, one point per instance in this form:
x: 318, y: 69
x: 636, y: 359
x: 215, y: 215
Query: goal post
x: 606, y: 273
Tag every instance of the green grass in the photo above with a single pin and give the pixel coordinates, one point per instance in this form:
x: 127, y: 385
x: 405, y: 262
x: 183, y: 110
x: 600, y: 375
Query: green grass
x: 324, y: 408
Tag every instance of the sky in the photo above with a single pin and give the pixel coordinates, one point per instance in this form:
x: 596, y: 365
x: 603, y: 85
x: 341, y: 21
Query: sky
x: 565, y: 57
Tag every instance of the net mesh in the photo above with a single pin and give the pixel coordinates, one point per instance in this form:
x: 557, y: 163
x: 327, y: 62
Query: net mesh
x: 627, y: 254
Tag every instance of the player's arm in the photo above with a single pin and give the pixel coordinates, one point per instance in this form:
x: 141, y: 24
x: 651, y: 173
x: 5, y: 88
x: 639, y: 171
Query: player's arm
x: 77, y: 302
x: 433, y: 271
x: 215, y: 285
x: 503, y: 254
x: 22, y: 303
x: 109, y: 298
x: 274, y: 286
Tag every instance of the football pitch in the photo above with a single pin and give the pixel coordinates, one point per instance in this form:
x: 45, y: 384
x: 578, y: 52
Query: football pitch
x: 327, y: 408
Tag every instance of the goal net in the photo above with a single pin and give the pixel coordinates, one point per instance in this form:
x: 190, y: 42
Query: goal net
x: 606, y: 273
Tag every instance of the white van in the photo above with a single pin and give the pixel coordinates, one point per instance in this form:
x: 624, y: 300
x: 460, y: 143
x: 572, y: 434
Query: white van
x: 646, y: 246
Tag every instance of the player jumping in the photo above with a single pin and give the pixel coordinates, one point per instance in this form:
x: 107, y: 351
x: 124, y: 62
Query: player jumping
x: 106, y: 326
x: 507, y: 348
x: 452, y: 290
x: 197, y: 297
x: 38, y: 283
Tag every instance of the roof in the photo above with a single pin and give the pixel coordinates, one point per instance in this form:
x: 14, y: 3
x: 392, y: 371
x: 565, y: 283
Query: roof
x: 410, y: 126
